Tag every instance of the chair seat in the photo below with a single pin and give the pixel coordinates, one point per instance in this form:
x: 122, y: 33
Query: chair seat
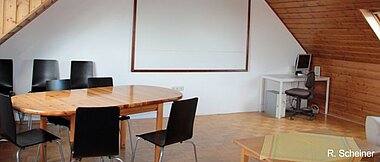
x: 124, y: 117
x: 157, y: 137
x: 298, y: 92
x: 57, y: 120
x: 33, y: 137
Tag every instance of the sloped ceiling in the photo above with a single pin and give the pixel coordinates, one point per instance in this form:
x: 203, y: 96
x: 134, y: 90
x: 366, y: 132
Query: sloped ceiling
x: 16, y: 14
x: 346, y: 48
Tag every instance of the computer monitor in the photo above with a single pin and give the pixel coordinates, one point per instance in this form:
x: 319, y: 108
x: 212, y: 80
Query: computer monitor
x: 303, y: 63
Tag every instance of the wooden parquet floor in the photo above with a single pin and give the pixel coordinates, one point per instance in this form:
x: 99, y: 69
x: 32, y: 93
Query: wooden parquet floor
x: 213, y: 135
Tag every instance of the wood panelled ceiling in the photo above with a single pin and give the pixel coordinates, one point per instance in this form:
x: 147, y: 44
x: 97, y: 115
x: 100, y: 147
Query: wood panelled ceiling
x: 343, y: 44
x: 16, y: 14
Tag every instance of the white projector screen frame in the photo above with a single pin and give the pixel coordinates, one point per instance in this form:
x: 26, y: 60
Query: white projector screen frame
x: 190, y: 35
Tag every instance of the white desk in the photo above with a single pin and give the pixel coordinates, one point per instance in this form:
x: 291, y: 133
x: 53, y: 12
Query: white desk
x: 288, y: 78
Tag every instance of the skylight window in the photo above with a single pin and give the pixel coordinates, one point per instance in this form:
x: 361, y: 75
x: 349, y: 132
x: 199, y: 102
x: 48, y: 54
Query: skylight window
x: 373, y: 19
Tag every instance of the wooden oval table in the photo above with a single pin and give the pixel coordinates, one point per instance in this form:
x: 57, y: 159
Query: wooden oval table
x: 131, y: 99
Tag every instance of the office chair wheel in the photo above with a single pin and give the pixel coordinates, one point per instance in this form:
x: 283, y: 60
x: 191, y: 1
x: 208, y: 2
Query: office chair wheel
x: 291, y: 118
x: 314, y: 108
x: 312, y: 117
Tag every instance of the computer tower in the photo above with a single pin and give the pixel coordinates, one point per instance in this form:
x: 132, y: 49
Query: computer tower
x: 272, y: 102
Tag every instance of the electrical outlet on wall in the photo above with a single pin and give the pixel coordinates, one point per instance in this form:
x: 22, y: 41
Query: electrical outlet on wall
x: 179, y: 88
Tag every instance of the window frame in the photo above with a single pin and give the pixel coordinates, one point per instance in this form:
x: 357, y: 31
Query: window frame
x: 373, y: 19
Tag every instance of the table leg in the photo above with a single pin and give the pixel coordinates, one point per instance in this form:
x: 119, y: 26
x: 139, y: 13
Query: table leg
x: 72, y: 131
x: 279, y: 109
x: 43, y: 125
x: 327, y: 96
x: 72, y: 128
x: 243, y: 156
x: 123, y: 127
x: 159, y: 117
x: 262, y: 94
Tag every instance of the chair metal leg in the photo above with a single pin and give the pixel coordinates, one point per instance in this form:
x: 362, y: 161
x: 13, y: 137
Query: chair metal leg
x: 130, y: 135
x: 297, y: 109
x: 195, y: 149
x: 161, y: 154
x: 117, y: 158
x: 18, y: 155
x: 68, y: 139
x: 20, y: 116
x: 44, y: 151
x: 134, y: 152
x: 38, y: 153
x: 60, y: 150
x: 30, y: 122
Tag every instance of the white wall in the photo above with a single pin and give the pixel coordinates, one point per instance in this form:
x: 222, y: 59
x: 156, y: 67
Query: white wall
x: 100, y: 31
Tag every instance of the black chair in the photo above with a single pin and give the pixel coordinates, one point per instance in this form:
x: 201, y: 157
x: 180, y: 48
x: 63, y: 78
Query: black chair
x: 43, y: 70
x: 100, y: 82
x: 6, y: 81
x: 80, y: 72
x: 57, y: 85
x: 179, y: 128
x: 96, y: 132
x: 300, y: 93
x: 24, y: 139
x: 6, y: 77
x: 105, y: 82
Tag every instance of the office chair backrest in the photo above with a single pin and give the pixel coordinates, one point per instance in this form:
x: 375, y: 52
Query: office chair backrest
x: 6, y: 76
x: 309, y: 84
x: 7, y: 121
x: 80, y: 72
x: 100, y: 82
x: 310, y: 80
x: 96, y: 132
x: 43, y: 70
x: 181, y: 121
x: 57, y: 85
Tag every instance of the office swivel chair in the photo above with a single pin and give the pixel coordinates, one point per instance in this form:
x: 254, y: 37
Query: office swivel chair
x: 179, y: 128
x: 300, y: 93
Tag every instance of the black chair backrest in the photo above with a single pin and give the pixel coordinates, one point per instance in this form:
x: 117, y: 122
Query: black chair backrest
x: 96, y: 132
x: 6, y: 76
x: 43, y: 70
x: 57, y: 85
x: 7, y: 120
x: 309, y: 84
x: 310, y: 80
x: 181, y: 121
x: 80, y: 72
x: 100, y: 82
